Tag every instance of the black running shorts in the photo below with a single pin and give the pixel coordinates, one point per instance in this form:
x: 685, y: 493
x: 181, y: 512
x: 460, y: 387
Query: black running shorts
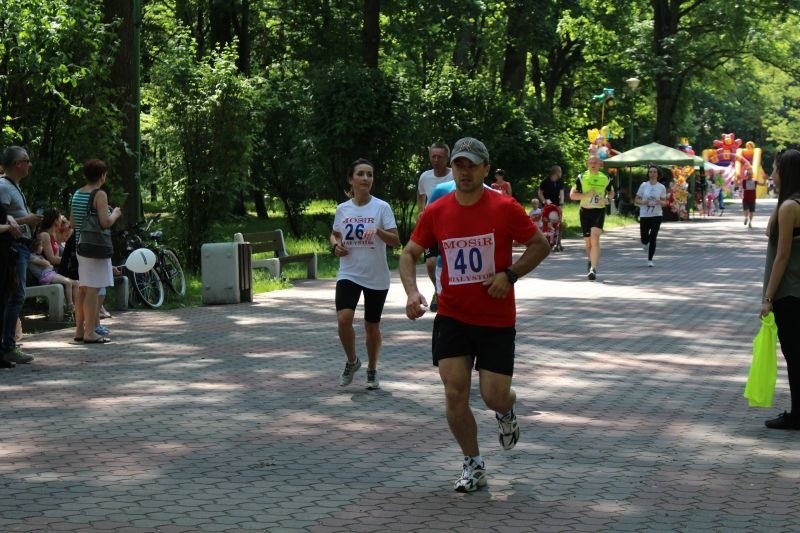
x: 348, y: 294
x: 433, y: 251
x: 592, y: 218
x: 491, y: 348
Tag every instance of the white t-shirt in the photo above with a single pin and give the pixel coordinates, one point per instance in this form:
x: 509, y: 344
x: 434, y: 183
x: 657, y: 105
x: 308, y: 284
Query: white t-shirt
x: 428, y: 181
x: 365, y: 264
x: 649, y: 194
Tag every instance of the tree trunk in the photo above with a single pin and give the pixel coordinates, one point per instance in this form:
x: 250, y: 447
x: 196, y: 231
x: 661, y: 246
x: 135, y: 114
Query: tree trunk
x: 515, y: 62
x: 183, y: 12
x: 371, y: 38
x: 666, y: 17
x: 465, y: 43
x: 243, y: 32
x: 124, y: 79
x: 239, y: 209
x: 260, y: 204
x: 221, y: 20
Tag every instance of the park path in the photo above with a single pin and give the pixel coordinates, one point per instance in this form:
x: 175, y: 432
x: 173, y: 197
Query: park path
x: 229, y: 418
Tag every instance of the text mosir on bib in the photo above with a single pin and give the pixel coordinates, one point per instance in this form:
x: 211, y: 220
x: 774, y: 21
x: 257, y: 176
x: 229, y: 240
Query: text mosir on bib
x: 469, y: 259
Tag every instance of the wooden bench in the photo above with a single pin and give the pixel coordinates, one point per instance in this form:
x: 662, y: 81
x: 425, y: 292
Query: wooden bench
x: 272, y: 241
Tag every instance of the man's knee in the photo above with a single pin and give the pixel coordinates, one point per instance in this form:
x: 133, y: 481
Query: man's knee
x: 455, y: 373
x: 456, y: 395
x: 496, y: 391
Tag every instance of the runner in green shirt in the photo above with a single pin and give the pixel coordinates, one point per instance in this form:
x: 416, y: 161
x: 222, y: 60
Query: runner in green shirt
x: 594, y: 191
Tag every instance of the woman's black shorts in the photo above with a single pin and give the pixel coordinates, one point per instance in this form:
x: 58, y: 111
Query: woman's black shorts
x: 348, y: 293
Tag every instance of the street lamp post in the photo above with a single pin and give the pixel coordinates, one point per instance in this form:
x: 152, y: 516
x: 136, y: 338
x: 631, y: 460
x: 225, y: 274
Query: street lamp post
x: 633, y: 83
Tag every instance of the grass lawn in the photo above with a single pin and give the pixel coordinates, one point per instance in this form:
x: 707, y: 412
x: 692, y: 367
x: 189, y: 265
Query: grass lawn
x: 318, y: 219
x: 317, y: 222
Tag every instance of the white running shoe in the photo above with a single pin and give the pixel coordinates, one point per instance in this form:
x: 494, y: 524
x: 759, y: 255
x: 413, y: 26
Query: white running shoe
x: 373, y: 382
x: 650, y: 264
x: 592, y: 275
x: 646, y: 248
x: 348, y: 373
x: 473, y: 476
x: 508, y: 430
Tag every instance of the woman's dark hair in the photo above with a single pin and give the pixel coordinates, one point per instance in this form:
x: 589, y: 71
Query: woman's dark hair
x: 352, y: 169
x: 788, y: 164
x: 360, y: 161
x: 94, y: 169
x: 500, y: 172
x: 50, y: 217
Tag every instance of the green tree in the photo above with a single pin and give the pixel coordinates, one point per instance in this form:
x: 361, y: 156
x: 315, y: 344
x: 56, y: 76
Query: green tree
x: 201, y: 125
x: 55, y: 59
x: 284, y: 161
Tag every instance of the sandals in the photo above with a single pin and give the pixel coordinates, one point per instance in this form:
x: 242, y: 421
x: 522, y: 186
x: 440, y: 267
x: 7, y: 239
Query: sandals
x: 98, y: 340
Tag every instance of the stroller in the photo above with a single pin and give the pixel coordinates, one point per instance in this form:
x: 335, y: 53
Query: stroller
x: 551, y: 226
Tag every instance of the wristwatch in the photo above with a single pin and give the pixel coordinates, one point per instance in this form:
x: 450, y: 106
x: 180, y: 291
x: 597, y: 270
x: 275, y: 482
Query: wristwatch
x: 512, y: 276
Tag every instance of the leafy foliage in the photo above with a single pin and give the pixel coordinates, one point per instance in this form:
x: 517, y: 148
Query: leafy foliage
x: 54, y: 58
x: 270, y: 97
x: 201, y: 128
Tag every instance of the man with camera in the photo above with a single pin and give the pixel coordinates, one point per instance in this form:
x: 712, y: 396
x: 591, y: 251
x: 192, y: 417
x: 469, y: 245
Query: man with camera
x: 21, y: 225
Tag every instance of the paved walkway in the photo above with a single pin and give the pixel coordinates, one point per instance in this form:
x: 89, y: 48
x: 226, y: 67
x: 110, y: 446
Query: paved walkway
x: 229, y: 418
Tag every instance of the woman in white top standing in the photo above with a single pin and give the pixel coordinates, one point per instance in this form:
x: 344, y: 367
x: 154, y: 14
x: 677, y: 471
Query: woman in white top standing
x: 93, y: 273
x: 651, y: 199
x: 362, y: 228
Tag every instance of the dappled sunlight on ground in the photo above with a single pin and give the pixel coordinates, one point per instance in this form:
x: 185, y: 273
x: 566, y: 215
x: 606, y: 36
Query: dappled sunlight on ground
x: 231, y: 417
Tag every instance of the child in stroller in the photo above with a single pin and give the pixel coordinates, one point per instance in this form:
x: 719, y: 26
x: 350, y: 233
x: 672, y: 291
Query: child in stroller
x: 551, y: 226
x: 536, y: 213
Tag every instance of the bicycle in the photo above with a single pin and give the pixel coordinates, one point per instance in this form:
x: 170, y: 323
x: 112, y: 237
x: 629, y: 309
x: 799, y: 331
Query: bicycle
x: 149, y: 286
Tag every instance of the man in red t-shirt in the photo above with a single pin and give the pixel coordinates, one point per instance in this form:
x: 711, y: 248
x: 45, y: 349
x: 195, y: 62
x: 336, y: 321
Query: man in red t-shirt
x: 477, y: 313
x: 748, y: 198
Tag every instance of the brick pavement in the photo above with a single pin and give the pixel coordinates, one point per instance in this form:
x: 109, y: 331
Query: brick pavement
x: 229, y: 418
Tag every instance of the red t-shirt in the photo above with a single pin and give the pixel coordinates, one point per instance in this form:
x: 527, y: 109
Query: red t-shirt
x: 749, y: 191
x: 504, y: 188
x: 474, y: 243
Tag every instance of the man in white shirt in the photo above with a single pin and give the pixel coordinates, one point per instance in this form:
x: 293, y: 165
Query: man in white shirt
x: 439, y: 155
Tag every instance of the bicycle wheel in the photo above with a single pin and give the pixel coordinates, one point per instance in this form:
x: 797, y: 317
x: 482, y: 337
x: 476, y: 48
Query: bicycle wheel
x: 173, y: 272
x: 149, y: 288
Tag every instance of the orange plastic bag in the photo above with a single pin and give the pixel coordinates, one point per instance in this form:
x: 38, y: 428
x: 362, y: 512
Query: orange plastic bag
x: 760, y: 388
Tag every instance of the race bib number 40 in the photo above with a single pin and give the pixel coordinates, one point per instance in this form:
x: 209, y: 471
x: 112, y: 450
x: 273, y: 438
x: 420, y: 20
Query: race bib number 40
x: 469, y: 259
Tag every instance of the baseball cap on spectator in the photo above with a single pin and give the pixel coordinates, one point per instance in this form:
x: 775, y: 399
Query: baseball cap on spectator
x: 472, y: 149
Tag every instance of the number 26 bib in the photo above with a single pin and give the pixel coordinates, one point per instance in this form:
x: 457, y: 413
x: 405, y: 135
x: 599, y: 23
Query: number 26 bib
x: 469, y: 259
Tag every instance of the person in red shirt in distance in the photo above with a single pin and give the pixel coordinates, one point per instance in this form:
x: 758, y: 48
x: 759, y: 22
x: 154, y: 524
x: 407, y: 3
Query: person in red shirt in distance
x: 748, y: 198
x: 477, y: 312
